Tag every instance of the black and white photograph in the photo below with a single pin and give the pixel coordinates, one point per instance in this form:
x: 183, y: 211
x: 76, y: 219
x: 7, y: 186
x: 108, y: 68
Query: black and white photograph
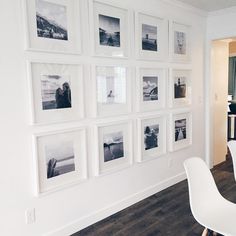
x: 180, y: 129
x: 113, y: 146
x: 179, y: 42
x: 55, y: 92
x: 180, y: 87
x: 150, y: 88
x: 51, y: 20
x: 59, y: 159
x: 151, y: 136
x: 109, y: 31
x: 149, y: 38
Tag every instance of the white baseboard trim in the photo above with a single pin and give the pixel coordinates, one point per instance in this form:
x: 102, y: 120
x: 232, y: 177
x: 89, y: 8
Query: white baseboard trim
x: 84, y: 222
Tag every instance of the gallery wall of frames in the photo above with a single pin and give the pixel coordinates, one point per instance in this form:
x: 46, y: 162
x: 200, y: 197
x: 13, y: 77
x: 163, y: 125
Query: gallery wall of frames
x: 147, y: 107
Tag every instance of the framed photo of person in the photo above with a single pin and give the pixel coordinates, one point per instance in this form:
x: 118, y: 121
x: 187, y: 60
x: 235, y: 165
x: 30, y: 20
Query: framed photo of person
x: 180, y: 42
x: 151, y: 89
x: 151, y: 34
x: 56, y: 91
x: 181, y: 130
x: 110, y: 30
x: 112, y: 90
x: 152, y: 137
x: 114, y: 147
x: 180, y: 87
x: 53, y: 26
x: 60, y: 159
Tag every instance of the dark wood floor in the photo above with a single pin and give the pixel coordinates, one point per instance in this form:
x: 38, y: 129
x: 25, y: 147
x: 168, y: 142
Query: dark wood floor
x: 166, y: 213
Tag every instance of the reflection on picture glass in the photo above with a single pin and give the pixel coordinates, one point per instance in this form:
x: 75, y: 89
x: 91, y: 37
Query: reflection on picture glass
x: 179, y: 42
x: 180, y: 87
x: 180, y: 130
x: 150, y: 88
x: 151, y: 136
x: 149, y: 37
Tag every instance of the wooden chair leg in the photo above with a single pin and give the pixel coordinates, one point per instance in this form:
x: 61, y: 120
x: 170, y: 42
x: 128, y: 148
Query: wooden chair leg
x: 204, y: 233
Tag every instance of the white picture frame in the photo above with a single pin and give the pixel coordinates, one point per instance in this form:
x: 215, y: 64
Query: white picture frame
x: 151, y: 33
x: 109, y: 30
x: 151, y: 137
x: 150, y: 97
x: 180, y: 89
x: 114, y: 147
x: 112, y: 90
x: 180, y: 130
x: 59, y: 159
x: 180, y: 42
x: 56, y: 91
x: 53, y: 26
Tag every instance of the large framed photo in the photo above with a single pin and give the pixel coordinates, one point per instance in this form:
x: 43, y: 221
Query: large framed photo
x: 151, y: 34
x: 60, y: 159
x: 53, y: 25
x: 180, y: 87
x: 180, y: 42
x: 112, y: 90
x: 152, y: 137
x: 57, y: 92
x: 151, y: 89
x: 181, y: 130
x: 110, y: 30
x: 114, y: 147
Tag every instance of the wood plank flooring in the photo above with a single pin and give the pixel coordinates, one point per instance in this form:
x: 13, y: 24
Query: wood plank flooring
x: 166, y: 213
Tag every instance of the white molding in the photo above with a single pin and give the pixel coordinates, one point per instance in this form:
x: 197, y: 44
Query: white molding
x: 84, y: 222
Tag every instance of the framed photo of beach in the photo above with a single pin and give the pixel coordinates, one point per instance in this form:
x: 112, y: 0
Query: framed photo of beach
x: 151, y: 89
x: 114, y: 147
x: 60, y: 159
x: 180, y: 87
x: 56, y: 92
x: 151, y: 34
x: 151, y: 137
x: 110, y: 30
x: 53, y: 26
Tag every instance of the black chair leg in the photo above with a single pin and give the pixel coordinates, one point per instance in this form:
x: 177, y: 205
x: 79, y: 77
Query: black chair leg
x: 209, y: 232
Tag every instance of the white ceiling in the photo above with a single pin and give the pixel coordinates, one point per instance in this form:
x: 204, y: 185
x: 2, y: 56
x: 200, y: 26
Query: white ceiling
x: 210, y: 5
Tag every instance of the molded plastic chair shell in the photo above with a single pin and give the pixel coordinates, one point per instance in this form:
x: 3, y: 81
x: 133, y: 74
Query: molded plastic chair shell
x: 232, y: 148
x: 208, y: 206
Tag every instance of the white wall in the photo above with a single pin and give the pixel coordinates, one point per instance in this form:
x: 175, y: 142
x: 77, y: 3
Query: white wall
x: 71, y: 209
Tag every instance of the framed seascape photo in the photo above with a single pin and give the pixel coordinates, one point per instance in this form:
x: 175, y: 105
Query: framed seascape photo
x: 180, y: 87
x: 57, y: 92
x: 181, y: 130
x: 110, y: 30
x: 112, y: 90
x: 151, y: 88
x: 60, y: 159
x: 53, y: 25
x: 151, y: 35
x: 152, y: 137
x: 114, y: 147
x: 180, y: 48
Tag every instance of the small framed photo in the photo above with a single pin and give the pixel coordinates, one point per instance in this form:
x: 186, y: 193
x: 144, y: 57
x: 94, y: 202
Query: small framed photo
x: 53, y: 26
x: 180, y: 42
x: 112, y: 90
x: 152, y: 137
x: 110, y: 30
x: 56, y: 91
x: 151, y: 89
x: 60, y: 159
x: 180, y: 87
x: 181, y: 130
x: 114, y: 147
x: 151, y: 34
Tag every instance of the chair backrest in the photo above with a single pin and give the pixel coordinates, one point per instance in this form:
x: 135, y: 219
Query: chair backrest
x: 232, y: 148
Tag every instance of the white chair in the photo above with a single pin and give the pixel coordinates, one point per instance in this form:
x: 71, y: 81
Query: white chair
x: 208, y: 206
x: 232, y: 148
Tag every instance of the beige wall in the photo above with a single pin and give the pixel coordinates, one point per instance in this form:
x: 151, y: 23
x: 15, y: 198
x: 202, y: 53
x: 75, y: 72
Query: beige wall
x: 232, y: 48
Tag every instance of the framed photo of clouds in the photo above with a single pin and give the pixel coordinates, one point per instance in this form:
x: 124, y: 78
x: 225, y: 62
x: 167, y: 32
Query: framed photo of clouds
x: 180, y: 42
x: 151, y: 34
x: 181, y: 130
x: 114, y: 147
x: 152, y: 137
x: 151, y: 89
x: 60, y: 159
x: 56, y: 91
x: 112, y: 90
x: 110, y: 30
x: 53, y: 25
x: 180, y: 87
